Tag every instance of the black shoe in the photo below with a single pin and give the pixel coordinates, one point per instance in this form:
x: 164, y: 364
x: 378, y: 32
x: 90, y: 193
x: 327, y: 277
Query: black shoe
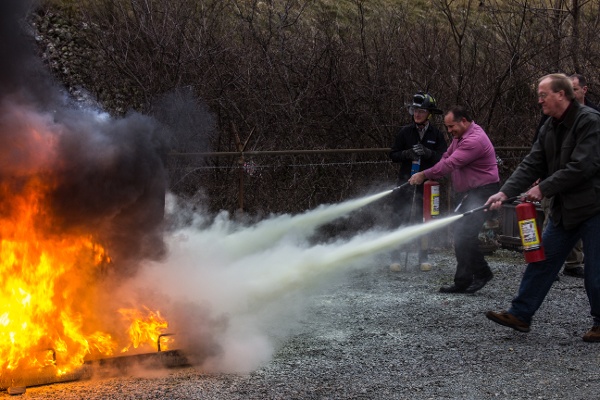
x: 478, y: 283
x: 453, y: 289
x: 576, y: 272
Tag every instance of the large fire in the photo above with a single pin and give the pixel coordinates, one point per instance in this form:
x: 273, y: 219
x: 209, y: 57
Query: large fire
x: 49, y: 312
x: 81, y: 200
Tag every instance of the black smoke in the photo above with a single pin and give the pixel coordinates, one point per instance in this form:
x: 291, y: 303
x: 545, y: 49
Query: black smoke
x: 106, y: 176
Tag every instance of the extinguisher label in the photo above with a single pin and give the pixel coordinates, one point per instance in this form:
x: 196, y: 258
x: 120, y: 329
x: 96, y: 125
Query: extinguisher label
x: 435, y: 200
x: 529, y: 234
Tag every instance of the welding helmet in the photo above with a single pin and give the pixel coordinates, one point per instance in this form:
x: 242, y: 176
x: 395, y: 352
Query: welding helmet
x: 423, y: 101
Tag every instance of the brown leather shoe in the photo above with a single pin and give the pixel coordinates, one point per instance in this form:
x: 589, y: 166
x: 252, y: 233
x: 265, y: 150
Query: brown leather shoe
x: 593, y: 335
x: 506, y: 319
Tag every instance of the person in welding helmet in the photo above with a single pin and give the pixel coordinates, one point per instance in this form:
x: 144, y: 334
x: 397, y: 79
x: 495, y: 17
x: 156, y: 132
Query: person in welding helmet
x: 566, y: 159
x: 472, y: 166
x: 419, y: 144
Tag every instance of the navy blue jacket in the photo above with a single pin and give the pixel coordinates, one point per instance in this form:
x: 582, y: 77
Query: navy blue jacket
x: 407, y: 137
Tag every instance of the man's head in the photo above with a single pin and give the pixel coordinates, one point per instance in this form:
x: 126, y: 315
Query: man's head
x: 457, y: 120
x: 555, y: 92
x: 423, y: 105
x: 579, y: 87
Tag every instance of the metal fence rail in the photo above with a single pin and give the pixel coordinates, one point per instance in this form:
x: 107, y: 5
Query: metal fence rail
x: 317, y: 151
x: 233, y: 174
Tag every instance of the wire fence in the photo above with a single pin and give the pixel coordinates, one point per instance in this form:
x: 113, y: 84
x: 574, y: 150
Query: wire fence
x: 255, y: 184
x: 191, y: 172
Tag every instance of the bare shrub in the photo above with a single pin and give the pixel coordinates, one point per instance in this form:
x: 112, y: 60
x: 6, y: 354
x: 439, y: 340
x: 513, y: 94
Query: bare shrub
x: 281, y: 75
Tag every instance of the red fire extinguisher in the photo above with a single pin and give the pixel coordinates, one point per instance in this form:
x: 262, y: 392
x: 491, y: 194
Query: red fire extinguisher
x: 431, y: 200
x: 531, y: 236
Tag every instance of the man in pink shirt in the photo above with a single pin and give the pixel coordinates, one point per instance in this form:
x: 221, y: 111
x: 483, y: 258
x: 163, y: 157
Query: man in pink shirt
x: 471, y: 163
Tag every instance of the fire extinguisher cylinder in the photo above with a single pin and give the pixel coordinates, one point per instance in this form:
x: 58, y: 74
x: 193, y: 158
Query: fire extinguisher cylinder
x: 431, y: 200
x: 530, y: 232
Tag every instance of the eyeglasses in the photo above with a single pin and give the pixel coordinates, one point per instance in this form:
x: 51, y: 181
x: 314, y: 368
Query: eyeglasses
x: 543, y: 95
x: 413, y: 110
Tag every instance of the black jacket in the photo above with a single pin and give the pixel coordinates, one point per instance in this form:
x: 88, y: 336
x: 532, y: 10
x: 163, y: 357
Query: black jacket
x: 407, y: 137
x: 567, y: 158
x: 544, y: 117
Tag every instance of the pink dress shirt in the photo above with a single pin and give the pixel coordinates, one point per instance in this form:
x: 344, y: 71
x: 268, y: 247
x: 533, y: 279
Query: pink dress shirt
x: 470, y: 160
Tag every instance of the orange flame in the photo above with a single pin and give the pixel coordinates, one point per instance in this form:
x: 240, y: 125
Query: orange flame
x: 143, y: 330
x: 48, y: 288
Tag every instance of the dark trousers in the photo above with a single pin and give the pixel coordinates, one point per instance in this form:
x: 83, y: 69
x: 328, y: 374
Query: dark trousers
x: 575, y: 257
x: 470, y: 262
x: 540, y: 276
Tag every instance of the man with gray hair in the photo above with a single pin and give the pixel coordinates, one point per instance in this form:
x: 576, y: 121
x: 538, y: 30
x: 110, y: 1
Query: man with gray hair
x: 566, y: 158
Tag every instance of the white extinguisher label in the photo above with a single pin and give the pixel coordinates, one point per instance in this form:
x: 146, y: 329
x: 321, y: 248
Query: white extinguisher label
x: 435, y: 200
x: 529, y: 234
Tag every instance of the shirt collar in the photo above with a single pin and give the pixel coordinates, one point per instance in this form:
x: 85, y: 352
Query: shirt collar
x: 557, y: 121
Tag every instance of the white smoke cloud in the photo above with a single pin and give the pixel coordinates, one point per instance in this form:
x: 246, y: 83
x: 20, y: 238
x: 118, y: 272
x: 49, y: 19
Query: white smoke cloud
x: 256, y: 291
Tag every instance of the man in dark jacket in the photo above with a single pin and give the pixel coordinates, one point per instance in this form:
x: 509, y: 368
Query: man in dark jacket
x: 574, y: 263
x: 567, y: 158
x: 420, y: 144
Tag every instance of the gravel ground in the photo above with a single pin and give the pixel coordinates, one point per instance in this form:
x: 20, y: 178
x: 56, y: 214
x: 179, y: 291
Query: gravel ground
x: 391, y: 335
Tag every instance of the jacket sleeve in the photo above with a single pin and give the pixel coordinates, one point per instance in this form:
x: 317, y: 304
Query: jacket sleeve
x: 529, y: 170
x: 440, y: 148
x: 399, y: 146
x: 580, y: 157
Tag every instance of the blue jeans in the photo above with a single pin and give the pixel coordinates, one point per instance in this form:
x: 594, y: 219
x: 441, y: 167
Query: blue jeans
x: 539, y: 276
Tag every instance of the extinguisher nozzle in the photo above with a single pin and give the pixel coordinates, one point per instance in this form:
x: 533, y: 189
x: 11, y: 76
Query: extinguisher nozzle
x: 484, y: 207
x: 400, y: 187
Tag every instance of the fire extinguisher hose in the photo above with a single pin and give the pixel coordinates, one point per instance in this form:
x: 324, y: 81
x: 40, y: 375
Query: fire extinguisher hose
x: 486, y: 206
